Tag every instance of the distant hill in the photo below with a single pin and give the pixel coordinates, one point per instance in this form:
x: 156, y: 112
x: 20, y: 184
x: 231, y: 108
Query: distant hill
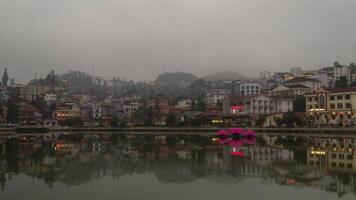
x: 178, y: 79
x: 173, y: 83
x: 225, y: 75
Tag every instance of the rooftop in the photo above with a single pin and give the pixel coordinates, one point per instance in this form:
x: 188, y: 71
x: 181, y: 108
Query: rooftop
x: 301, y: 79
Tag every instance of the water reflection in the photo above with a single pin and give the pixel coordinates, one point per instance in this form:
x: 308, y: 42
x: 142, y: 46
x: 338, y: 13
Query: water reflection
x: 324, y: 163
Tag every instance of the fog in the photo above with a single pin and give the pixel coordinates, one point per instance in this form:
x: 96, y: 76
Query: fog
x: 138, y: 39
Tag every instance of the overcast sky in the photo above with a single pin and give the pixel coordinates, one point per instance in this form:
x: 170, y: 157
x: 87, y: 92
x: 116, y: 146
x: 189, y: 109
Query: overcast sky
x: 138, y: 39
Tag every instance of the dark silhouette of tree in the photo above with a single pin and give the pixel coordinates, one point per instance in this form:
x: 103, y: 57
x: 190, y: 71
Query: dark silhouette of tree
x: 201, y: 105
x: 5, y: 78
x: 342, y: 82
x: 299, y: 104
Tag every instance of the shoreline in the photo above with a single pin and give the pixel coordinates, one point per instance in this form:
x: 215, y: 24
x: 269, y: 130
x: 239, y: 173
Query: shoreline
x: 172, y: 130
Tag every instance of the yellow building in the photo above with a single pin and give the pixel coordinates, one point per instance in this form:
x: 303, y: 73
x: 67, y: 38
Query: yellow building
x: 335, y: 106
x: 67, y: 111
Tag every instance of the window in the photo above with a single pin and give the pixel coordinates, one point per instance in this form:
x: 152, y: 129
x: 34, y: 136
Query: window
x: 310, y: 99
x: 340, y: 106
x: 339, y: 97
x: 349, y: 157
x: 341, y: 156
x: 333, y: 164
x: 333, y: 156
x: 349, y: 165
x: 332, y: 106
x: 347, y: 105
x: 342, y: 165
x: 347, y: 96
x: 332, y: 98
x: 310, y: 107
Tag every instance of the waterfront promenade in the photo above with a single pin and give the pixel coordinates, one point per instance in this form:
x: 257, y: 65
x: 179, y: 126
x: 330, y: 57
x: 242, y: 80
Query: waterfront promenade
x: 180, y: 130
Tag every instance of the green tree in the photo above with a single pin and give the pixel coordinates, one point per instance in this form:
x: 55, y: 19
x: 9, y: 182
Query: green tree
x: 201, y: 106
x: 342, y: 82
x: 114, y: 121
x: 260, y: 120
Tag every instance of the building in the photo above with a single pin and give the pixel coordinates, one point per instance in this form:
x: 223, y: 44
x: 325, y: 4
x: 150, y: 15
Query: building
x: 185, y: 104
x: 340, y: 71
x: 313, y: 84
x: 29, y: 115
x: 332, y: 154
x: 265, y: 75
x: 50, y: 98
x: 289, y: 91
x: 332, y: 106
x: 158, y: 105
x: 257, y: 105
x: 216, y: 96
x: 67, y: 111
x: 250, y: 88
x: 132, y: 106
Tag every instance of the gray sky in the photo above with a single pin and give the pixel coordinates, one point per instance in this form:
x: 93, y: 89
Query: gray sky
x: 138, y: 39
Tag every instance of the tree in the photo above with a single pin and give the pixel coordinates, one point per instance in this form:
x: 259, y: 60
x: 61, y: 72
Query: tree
x: 114, y: 121
x: 299, y: 104
x: 5, y: 78
x: 13, y: 107
x: 342, y: 82
x: 171, y: 120
x: 260, y: 120
x: 289, y: 119
x: 201, y: 106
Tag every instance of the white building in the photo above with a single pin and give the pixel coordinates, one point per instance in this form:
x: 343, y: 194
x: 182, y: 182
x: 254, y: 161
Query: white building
x: 50, y: 98
x: 262, y: 105
x: 265, y: 75
x: 250, y: 88
x: 215, y: 96
x: 96, y: 110
x: 184, y: 104
x: 340, y: 71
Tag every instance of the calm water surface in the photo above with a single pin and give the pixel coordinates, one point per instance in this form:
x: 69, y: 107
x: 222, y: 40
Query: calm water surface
x: 111, y: 166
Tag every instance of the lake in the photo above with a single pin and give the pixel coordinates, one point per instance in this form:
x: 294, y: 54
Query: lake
x: 142, y: 166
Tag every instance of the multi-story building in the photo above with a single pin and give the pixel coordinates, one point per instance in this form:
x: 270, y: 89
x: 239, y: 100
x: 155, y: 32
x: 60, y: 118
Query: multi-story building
x: 289, y: 91
x: 332, y: 154
x: 250, y: 88
x: 132, y: 106
x: 158, y: 104
x: 257, y: 105
x: 313, y: 84
x: 335, y: 106
x: 29, y: 115
x: 50, y: 98
x: 215, y: 96
x: 340, y: 71
x: 265, y: 75
x: 67, y: 111
x: 184, y: 104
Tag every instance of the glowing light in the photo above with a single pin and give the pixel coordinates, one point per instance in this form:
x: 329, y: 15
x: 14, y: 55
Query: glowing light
x: 318, y: 152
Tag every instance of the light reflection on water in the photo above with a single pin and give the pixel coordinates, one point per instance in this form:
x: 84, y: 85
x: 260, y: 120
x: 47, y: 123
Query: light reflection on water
x: 111, y: 166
